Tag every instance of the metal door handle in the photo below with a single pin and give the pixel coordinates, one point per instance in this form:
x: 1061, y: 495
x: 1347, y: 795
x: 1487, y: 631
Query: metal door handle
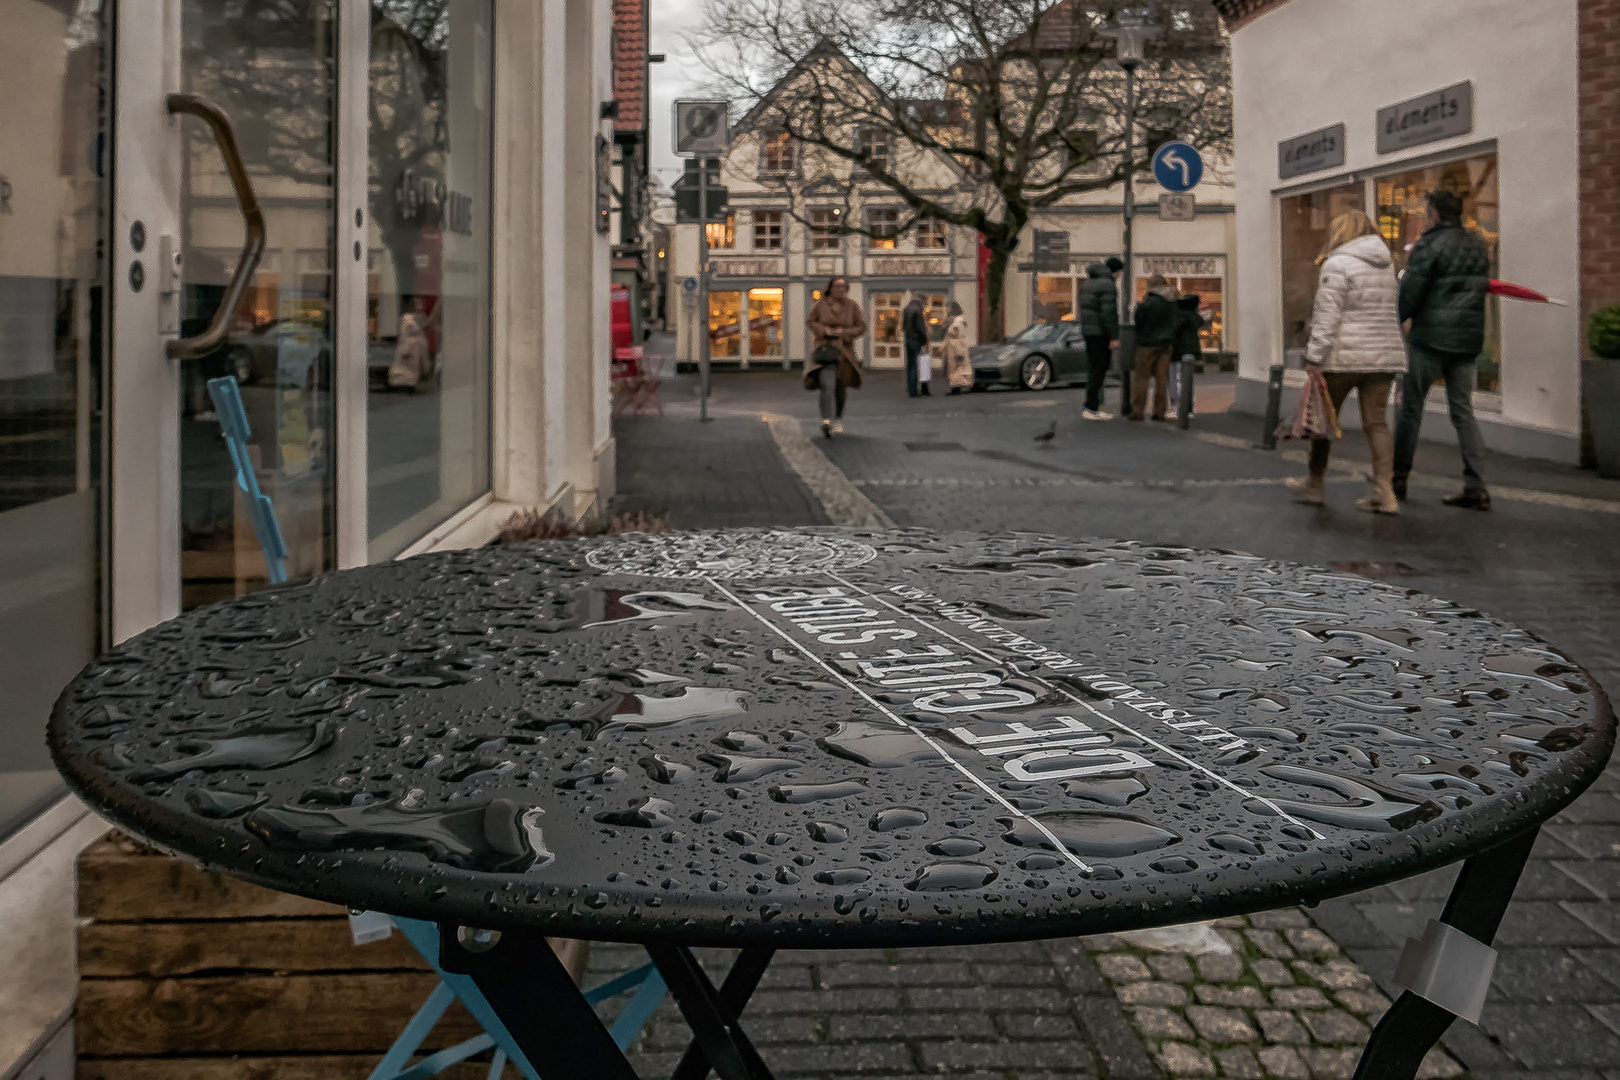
x: 252, y: 220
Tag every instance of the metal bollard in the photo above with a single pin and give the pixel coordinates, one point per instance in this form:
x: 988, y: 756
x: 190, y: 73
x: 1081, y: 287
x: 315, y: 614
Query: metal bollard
x: 1268, y: 437
x: 1184, y: 406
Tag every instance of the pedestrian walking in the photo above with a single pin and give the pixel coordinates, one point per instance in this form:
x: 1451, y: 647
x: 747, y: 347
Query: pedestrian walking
x: 914, y: 325
x: 1188, y: 345
x: 958, y: 368
x: 1442, y: 308
x: 1355, y: 344
x: 1099, y: 324
x: 1156, y: 318
x: 835, y: 323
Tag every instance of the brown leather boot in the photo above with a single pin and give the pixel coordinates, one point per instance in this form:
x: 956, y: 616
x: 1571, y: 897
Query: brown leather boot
x: 1382, y: 500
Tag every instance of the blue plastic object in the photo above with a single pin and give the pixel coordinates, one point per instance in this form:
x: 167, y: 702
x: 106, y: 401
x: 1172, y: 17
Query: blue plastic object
x: 645, y: 981
x: 227, y: 398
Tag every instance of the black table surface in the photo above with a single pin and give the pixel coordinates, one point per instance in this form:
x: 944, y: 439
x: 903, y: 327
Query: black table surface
x: 815, y: 736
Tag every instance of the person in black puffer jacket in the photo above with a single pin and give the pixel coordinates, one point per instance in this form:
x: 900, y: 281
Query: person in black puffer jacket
x: 1442, y: 307
x: 1156, y: 318
x: 1189, y: 324
x: 1099, y: 323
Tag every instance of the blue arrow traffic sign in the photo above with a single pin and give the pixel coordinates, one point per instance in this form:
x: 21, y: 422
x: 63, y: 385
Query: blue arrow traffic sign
x: 1177, y: 167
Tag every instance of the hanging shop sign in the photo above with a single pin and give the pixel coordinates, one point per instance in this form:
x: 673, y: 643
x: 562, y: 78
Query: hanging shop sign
x: 1442, y: 114
x: 1311, y: 152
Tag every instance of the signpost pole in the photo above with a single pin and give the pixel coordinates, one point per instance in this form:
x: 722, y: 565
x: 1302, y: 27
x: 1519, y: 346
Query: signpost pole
x: 703, y: 289
x: 1127, y: 295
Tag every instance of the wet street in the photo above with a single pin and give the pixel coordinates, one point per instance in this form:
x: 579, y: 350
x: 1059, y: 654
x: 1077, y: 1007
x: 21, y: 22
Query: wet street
x: 1286, y: 994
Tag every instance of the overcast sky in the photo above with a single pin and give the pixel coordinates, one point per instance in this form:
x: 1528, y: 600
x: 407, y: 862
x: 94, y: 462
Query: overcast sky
x: 675, y: 78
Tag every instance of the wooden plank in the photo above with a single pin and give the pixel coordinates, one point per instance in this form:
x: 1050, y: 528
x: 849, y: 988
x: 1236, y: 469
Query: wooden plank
x: 266, y: 1014
x: 163, y: 949
x: 303, y: 1067
x: 115, y: 886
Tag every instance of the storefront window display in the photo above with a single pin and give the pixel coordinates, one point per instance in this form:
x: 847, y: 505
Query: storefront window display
x: 430, y: 166
x: 725, y: 325
x: 275, y: 77
x: 765, y: 324
x: 1054, y: 298
x: 1305, y: 223
x: 54, y: 60
x: 887, y: 348
x: 1189, y: 275
x: 1402, y: 209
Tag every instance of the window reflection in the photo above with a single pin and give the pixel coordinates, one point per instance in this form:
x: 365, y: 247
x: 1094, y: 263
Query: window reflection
x: 428, y: 313
x: 273, y: 75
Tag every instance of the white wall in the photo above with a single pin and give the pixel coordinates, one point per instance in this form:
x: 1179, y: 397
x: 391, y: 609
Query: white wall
x: 1313, y: 63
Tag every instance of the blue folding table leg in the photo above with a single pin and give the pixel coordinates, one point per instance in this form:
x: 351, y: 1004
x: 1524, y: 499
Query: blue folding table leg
x: 646, y: 982
x: 233, y: 421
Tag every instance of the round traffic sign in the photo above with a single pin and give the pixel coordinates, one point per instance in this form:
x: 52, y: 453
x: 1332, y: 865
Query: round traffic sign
x: 1177, y: 167
x: 690, y: 284
x: 702, y: 122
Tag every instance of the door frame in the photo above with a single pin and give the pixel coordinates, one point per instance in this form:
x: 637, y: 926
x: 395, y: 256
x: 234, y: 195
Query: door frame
x: 143, y: 402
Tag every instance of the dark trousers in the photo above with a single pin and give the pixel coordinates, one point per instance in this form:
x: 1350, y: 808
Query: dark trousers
x: 913, y: 350
x: 1098, y: 359
x: 1424, y: 366
x: 1152, y: 363
x: 832, y: 395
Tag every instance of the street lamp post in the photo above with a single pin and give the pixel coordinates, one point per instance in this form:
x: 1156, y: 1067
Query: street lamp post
x: 1131, y: 31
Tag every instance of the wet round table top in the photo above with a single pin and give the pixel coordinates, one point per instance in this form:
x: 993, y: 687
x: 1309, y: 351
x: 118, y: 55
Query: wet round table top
x: 821, y: 735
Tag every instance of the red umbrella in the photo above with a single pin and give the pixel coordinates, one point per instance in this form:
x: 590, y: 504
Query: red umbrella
x: 1522, y: 292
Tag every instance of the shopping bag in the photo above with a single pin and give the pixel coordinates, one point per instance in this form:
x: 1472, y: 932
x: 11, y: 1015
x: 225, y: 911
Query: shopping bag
x: 1316, y: 418
x: 925, y: 366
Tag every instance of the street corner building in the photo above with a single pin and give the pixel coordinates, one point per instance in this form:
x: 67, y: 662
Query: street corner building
x: 381, y: 219
x: 1373, y: 104
x: 784, y: 232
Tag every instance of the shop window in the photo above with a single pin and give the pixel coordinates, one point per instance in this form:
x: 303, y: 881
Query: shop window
x: 1054, y: 298
x: 824, y: 224
x: 725, y: 325
x: 883, y: 227
x: 934, y: 315
x: 764, y: 324
x: 887, y: 348
x: 1305, y: 223
x: 1210, y: 305
x: 428, y: 435
x: 1402, y: 209
x: 767, y: 230
x: 722, y: 233
x: 776, y: 153
x: 930, y: 235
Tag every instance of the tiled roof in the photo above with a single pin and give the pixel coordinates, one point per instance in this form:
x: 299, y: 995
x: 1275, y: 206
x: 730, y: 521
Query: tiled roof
x: 630, y: 64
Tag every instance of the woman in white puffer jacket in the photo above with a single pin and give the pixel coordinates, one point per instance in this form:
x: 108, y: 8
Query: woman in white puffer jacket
x: 1356, y: 343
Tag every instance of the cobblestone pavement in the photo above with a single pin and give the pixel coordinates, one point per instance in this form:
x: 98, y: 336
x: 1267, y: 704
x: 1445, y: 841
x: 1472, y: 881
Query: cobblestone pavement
x: 1546, y: 558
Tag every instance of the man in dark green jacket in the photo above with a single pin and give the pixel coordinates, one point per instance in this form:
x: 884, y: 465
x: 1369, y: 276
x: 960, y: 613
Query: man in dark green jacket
x: 1442, y: 307
x: 1099, y: 323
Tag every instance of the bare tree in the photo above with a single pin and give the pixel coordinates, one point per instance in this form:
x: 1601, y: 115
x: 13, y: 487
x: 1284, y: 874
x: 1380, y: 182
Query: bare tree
x: 1019, y: 99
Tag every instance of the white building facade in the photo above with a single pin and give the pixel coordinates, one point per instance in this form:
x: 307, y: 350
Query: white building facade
x: 426, y: 176
x: 1335, y: 111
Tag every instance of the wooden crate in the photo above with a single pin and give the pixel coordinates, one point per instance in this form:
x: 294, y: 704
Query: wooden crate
x: 189, y: 975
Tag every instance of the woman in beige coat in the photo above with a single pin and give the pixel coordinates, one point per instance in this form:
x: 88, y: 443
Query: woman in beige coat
x: 1356, y: 344
x: 836, y: 322
x: 958, y: 369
